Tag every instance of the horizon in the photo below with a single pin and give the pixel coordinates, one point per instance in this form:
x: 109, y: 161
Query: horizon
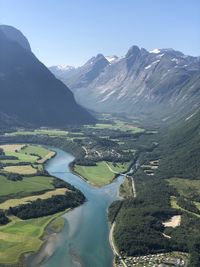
x: 83, y: 30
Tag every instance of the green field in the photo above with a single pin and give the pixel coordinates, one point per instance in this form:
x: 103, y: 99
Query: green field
x: 25, y: 153
x: 21, y: 157
x: 101, y: 174
x: 38, y: 150
x: 57, y: 225
x: 25, y: 187
x: 118, y: 125
x: 185, y: 187
x: 175, y: 205
x: 50, y: 132
x: 19, y: 237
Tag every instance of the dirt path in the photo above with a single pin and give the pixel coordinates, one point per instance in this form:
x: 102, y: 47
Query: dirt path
x: 86, y: 151
x: 133, y: 186
x: 114, y: 171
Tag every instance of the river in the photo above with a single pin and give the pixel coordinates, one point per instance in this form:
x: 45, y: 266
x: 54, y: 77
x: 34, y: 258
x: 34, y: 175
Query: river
x: 84, y: 241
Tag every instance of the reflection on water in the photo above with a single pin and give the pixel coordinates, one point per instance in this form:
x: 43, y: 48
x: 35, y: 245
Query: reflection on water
x: 84, y: 239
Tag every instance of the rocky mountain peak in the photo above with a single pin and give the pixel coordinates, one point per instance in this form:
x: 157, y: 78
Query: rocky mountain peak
x: 133, y: 51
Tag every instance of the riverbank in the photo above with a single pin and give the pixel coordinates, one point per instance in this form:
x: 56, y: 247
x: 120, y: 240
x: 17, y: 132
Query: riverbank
x: 86, y: 229
x: 102, y: 174
x: 121, y: 262
x: 46, y: 249
x: 27, y: 233
x: 111, y: 240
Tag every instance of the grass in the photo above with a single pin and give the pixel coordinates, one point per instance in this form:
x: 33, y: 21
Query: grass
x: 101, y: 174
x: 12, y: 147
x: 118, y: 125
x: 19, y: 237
x: 175, y: 205
x: 19, y: 201
x: 23, y: 169
x: 50, y: 132
x: 38, y: 150
x: 47, y: 157
x: 119, y: 167
x: 43, y: 153
x: 21, y: 157
x: 57, y: 225
x: 126, y: 189
x: 185, y: 187
x: 26, y: 153
x: 26, y: 186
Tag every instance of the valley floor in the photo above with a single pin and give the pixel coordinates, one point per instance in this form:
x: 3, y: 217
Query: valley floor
x: 139, y: 235
x: 22, y: 233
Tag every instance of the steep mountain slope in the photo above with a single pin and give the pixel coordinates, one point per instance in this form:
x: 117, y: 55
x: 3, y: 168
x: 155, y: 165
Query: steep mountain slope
x: 180, y: 148
x: 15, y: 35
x: 63, y: 72
x: 29, y: 93
x: 158, y: 82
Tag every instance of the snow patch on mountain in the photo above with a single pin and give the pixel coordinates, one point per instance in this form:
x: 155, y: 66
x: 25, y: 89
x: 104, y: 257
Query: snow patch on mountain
x: 107, y: 96
x: 112, y: 59
x: 155, y: 51
x: 175, y: 60
x: 147, y: 67
x: 190, y: 116
x: 65, y: 67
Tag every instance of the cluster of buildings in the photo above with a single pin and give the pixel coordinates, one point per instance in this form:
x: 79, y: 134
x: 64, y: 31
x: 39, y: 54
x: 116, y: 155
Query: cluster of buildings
x: 156, y: 260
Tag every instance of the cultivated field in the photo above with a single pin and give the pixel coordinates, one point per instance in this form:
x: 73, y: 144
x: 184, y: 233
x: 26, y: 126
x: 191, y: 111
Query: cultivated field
x: 118, y: 125
x: 101, y: 174
x: 27, y: 186
x: 16, y: 188
x: 20, y: 236
x: 50, y: 132
x: 23, y: 169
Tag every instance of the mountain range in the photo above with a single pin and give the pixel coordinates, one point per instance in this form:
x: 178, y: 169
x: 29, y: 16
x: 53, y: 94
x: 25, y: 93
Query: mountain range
x: 162, y: 83
x: 30, y: 95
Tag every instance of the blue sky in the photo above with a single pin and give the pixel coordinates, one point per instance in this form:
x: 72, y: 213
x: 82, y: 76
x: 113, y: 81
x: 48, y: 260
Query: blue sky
x: 72, y: 31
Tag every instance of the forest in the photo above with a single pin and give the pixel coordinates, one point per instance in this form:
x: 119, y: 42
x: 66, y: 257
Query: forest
x: 40, y: 208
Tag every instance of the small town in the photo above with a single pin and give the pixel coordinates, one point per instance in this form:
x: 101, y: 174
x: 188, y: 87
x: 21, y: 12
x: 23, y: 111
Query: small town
x: 157, y: 260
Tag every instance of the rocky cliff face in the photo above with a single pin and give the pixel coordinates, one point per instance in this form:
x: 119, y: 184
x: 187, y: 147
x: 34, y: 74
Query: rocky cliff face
x: 142, y: 82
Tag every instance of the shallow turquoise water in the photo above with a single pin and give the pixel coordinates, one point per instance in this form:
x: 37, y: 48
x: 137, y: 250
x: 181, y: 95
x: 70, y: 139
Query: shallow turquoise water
x: 84, y: 239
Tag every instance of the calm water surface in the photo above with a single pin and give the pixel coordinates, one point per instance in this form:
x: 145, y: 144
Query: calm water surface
x: 84, y: 240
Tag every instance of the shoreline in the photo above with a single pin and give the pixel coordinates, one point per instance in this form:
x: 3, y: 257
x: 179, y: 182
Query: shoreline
x: 111, y: 240
x: 25, y: 257
x: 46, y: 249
x: 90, y: 183
x: 99, y: 186
x: 49, y: 239
x: 113, y: 245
